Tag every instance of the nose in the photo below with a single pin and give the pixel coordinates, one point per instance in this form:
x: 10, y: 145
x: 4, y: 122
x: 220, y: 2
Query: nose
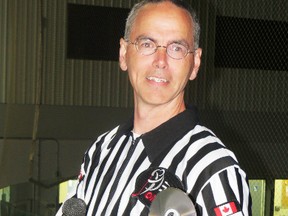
x: 160, y: 60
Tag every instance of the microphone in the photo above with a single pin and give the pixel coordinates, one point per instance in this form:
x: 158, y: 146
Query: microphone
x: 74, y: 207
x: 172, y: 202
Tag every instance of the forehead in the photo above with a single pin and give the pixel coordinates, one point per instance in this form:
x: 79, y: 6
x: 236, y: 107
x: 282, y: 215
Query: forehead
x: 164, y: 20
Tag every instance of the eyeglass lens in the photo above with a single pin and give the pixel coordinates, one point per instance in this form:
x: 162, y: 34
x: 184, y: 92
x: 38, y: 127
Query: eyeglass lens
x: 148, y: 47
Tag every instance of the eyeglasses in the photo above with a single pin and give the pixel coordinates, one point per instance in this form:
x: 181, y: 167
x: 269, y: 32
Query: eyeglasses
x: 147, y: 47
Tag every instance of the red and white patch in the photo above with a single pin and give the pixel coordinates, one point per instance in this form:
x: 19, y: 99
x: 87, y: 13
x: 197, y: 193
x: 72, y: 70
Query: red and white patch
x: 227, y: 209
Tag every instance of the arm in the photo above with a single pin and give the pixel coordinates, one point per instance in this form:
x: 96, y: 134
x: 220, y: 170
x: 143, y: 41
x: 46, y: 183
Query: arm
x: 226, y: 193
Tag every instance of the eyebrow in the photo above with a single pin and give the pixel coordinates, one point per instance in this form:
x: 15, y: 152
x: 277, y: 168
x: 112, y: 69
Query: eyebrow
x: 145, y: 37
x: 180, y: 41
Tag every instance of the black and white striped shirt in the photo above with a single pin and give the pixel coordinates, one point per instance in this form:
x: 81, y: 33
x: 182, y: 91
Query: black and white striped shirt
x: 116, y: 170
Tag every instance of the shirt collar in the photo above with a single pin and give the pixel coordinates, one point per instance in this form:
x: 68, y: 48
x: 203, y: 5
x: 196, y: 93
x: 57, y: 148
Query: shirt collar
x: 163, y: 136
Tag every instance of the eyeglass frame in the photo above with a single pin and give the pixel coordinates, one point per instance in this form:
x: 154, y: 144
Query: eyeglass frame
x: 135, y: 43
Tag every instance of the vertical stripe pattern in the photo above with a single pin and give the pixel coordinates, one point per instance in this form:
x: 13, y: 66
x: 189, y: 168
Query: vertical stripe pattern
x: 208, y: 171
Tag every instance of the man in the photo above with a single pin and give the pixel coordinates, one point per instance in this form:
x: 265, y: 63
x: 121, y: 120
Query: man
x: 163, y: 145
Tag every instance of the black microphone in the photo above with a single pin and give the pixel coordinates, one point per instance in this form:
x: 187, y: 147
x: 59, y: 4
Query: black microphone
x: 74, y: 207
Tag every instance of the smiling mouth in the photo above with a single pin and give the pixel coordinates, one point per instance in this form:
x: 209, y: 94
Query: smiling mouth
x: 158, y: 80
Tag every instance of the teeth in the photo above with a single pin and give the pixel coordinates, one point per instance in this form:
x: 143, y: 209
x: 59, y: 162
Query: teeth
x: 156, y: 79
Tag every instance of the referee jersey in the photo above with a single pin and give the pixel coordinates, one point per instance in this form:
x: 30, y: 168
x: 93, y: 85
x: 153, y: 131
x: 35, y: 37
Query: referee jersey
x: 121, y: 175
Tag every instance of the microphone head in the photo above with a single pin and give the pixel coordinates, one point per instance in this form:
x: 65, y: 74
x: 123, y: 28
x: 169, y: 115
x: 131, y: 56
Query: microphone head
x: 74, y: 207
x: 172, y: 202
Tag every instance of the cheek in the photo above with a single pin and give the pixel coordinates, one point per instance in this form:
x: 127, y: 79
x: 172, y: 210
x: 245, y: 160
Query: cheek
x: 132, y: 60
x: 182, y: 77
x: 134, y: 75
x: 137, y: 65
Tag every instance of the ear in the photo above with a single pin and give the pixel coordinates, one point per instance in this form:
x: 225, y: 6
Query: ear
x: 197, y: 63
x: 122, y: 54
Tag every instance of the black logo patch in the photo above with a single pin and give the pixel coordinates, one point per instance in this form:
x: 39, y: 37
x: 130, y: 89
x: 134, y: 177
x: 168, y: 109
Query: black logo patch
x: 152, y: 181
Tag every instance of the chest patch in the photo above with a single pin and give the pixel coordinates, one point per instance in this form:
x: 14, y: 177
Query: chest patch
x: 152, y: 181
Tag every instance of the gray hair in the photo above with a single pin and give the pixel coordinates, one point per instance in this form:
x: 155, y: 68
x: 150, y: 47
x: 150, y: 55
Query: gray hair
x: 179, y: 3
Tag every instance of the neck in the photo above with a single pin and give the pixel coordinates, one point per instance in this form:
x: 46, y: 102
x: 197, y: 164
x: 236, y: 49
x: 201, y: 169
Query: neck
x: 149, y: 117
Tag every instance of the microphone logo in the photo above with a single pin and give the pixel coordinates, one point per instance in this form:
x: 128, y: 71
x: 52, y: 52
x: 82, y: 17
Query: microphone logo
x: 172, y: 212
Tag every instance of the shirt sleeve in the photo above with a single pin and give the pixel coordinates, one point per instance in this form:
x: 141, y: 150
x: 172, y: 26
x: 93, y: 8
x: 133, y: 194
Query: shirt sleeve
x: 226, y: 193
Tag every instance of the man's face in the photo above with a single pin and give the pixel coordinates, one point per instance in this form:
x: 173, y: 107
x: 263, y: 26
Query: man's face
x: 159, y: 79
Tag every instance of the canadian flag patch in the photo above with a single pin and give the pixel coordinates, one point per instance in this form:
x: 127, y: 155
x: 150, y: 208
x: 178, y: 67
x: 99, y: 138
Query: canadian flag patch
x: 226, y: 209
